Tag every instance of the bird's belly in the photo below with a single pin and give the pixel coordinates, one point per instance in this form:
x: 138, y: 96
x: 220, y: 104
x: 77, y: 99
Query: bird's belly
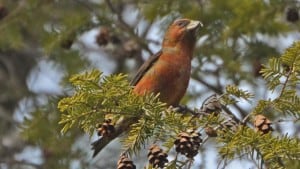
x: 170, y: 81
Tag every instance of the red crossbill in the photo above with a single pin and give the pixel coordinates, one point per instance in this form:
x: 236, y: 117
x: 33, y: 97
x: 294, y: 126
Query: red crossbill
x: 167, y: 72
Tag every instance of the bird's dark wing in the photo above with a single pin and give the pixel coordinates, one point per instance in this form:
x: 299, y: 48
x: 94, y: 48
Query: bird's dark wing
x: 144, y: 68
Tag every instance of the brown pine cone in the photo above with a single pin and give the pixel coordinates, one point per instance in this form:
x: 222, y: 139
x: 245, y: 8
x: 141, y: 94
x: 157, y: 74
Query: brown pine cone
x: 125, y: 163
x: 211, y: 105
x: 157, y: 157
x: 67, y: 43
x: 103, y: 36
x: 211, y: 132
x: 3, y: 11
x: 262, y: 124
x: 292, y: 15
x: 106, y: 129
x: 188, y: 143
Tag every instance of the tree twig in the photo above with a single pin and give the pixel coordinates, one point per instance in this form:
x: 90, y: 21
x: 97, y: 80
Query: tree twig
x: 121, y: 22
x: 22, y: 162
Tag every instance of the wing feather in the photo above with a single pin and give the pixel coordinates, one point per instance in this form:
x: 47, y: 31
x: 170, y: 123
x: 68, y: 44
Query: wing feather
x: 144, y: 68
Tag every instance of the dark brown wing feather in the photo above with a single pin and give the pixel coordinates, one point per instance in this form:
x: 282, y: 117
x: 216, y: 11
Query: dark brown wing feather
x: 144, y: 68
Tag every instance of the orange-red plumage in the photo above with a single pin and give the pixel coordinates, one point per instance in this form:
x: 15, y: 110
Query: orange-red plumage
x: 168, y: 72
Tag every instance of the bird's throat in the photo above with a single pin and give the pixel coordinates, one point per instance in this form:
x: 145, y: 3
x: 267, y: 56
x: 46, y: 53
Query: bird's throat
x: 181, y: 51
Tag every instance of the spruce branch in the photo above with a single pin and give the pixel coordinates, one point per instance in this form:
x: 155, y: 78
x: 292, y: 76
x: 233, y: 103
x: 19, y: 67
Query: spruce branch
x: 286, y: 69
x: 285, y: 83
x: 145, y: 117
x: 245, y: 140
x: 218, y: 91
x: 96, y: 97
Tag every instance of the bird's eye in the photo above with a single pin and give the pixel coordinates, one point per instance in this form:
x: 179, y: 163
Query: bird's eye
x: 181, y: 23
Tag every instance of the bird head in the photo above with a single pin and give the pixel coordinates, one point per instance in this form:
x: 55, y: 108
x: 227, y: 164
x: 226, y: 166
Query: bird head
x: 181, y: 30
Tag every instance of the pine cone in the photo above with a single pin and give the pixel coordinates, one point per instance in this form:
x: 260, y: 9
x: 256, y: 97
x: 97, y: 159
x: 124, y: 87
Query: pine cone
x: 292, y: 15
x: 211, y: 132
x: 262, y: 124
x: 3, y: 11
x: 106, y: 129
x: 67, y: 43
x: 188, y: 143
x: 211, y: 105
x: 125, y: 163
x: 103, y: 36
x: 256, y: 68
x: 157, y: 157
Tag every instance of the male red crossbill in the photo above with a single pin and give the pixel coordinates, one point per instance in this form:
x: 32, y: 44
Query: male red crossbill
x: 167, y: 72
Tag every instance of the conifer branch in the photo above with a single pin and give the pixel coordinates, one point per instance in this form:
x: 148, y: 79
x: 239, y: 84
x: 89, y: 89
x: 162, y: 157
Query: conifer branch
x: 287, y: 79
x: 145, y: 118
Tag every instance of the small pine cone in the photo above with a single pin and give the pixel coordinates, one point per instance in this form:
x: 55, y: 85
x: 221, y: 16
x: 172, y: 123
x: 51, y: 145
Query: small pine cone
x: 188, y: 143
x: 292, y: 15
x: 211, y: 105
x: 3, y: 11
x: 67, y: 43
x: 157, y: 157
x: 211, y: 132
x: 256, y: 68
x: 106, y: 129
x: 262, y: 124
x: 103, y: 36
x: 125, y: 163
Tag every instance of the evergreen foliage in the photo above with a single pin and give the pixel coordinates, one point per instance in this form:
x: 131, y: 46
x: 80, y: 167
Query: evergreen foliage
x: 265, y: 149
x: 283, y: 74
x: 97, y: 96
x: 43, y: 129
